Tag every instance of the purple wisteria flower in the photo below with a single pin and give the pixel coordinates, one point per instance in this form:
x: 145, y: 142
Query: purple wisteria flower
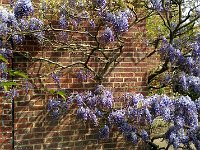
x: 117, y: 117
x: 185, y: 80
x: 135, y: 99
x: 23, y: 8
x: 69, y: 102
x: 90, y: 99
x: 185, y: 83
x: 148, y: 116
x: 23, y: 24
x: 197, y: 102
x: 72, y: 3
x: 3, y: 67
x: 87, y: 115
x: 92, y: 23
x: 174, y: 140
x: 144, y: 135
x: 52, y: 103
x: 12, y: 93
x: 132, y: 137
x: 104, y: 132
x: 4, y: 14
x: 185, y: 110
x: 4, y: 29
x: 179, y: 121
x: 162, y: 50
x: 18, y: 38
x: 100, y: 3
x: 107, y: 35
x: 196, y: 52
x: 99, y: 89
x: 27, y: 86
x: 7, y: 53
x: 75, y: 23
x: 173, y: 137
x: 126, y: 128
x: 187, y: 64
x: 37, y: 25
x: 119, y: 20
x: 56, y: 78
x: 120, y: 23
x: 194, y: 136
x: 155, y: 106
x: 79, y: 99
x: 63, y: 21
x: 157, y: 5
x: 180, y: 111
x: 194, y: 84
x: 93, y: 118
x: 57, y: 107
x: 98, y: 113
x: 83, y: 113
x: 84, y: 74
x: 12, y: 21
x: 105, y: 100
x: 109, y: 17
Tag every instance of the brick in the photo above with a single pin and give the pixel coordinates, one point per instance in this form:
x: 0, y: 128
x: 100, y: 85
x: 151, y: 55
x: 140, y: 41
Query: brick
x: 67, y: 144
x: 7, y: 147
x: 24, y: 125
x: 37, y: 147
x: 5, y: 1
x: 36, y: 141
x: 24, y: 103
x: 25, y: 148
x: 116, y: 79
x: 53, y: 139
x: 38, y: 129
x: 22, y: 142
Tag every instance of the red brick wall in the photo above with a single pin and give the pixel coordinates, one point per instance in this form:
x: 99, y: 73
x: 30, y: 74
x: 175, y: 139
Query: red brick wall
x: 35, y: 129
x: 5, y: 124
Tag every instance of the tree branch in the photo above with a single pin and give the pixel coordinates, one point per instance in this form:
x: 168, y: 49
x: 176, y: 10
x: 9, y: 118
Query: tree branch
x: 157, y: 72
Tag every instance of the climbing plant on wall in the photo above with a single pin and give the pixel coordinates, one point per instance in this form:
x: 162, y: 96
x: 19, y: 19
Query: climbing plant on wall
x: 104, y: 23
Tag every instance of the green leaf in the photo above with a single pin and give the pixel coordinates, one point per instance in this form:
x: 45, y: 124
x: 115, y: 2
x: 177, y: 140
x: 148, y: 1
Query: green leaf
x: 5, y: 88
x: 2, y: 58
x: 52, y: 91
x: 8, y: 84
x: 62, y: 94
x: 18, y: 73
x: 121, y: 3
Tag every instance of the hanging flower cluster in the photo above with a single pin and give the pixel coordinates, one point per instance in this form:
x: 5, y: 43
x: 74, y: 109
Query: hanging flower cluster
x: 186, y: 75
x: 96, y: 106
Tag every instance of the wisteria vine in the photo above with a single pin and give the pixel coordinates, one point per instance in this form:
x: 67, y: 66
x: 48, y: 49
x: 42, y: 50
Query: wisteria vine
x: 180, y: 113
x: 110, y: 20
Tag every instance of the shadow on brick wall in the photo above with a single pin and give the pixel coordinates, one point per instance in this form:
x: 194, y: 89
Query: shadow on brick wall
x: 34, y: 127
